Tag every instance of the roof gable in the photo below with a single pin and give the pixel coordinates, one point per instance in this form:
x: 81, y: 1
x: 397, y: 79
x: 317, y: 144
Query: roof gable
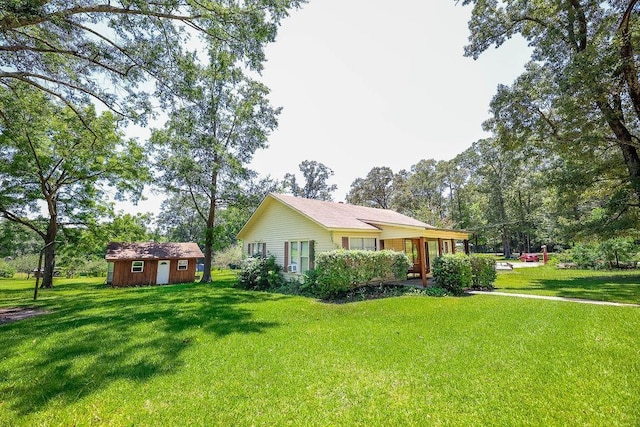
x: 152, y: 250
x: 337, y: 216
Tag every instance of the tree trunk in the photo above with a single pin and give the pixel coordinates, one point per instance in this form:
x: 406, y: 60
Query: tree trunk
x: 50, y: 254
x: 506, y: 245
x: 209, y: 232
x: 632, y: 161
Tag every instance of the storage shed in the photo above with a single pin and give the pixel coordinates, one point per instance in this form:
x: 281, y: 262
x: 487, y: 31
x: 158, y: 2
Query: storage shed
x: 151, y: 263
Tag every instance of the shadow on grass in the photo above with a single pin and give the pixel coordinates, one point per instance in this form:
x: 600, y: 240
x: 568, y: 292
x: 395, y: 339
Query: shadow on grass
x: 614, y: 288
x: 95, y: 337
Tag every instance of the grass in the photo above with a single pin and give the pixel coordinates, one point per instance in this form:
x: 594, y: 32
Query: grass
x: 212, y: 355
x: 613, y: 286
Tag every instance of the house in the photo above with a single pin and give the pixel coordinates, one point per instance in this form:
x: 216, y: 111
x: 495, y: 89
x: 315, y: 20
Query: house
x: 151, y: 263
x: 293, y: 229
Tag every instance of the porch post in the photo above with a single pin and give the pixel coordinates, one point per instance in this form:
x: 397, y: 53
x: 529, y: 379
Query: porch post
x: 466, y: 246
x: 423, y: 262
x: 453, y: 246
x: 439, y: 247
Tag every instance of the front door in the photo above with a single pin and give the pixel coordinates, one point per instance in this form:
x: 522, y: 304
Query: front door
x: 163, y: 272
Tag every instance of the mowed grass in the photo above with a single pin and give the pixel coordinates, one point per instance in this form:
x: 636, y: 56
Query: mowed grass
x: 213, y: 355
x: 614, y: 286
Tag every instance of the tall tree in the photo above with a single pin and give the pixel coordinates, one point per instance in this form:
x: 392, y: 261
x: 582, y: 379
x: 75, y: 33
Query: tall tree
x: 49, y: 156
x: 67, y: 48
x: 375, y: 190
x: 580, y: 95
x: 219, y: 121
x: 315, y: 176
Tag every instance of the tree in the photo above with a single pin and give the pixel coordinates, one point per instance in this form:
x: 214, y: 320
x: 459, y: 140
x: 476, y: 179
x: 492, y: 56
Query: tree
x: 498, y: 170
x: 178, y: 221
x: 16, y: 240
x: 420, y: 193
x: 579, y: 98
x: 220, y: 119
x: 88, y: 243
x: 315, y: 176
x: 49, y: 156
x: 375, y: 190
x: 66, y: 48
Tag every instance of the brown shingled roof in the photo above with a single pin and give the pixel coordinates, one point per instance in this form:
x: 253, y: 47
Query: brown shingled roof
x: 345, y: 216
x: 152, y: 250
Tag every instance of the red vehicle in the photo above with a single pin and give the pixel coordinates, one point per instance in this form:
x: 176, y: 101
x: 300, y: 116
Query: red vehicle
x: 529, y: 258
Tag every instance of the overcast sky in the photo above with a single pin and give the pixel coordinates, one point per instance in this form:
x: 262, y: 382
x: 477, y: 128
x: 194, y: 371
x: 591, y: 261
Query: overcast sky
x: 367, y: 83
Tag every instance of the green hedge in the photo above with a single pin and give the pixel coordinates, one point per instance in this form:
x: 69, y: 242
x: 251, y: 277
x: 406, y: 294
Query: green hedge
x: 483, y: 271
x: 453, y: 272
x: 457, y: 272
x: 260, y: 274
x: 342, y: 270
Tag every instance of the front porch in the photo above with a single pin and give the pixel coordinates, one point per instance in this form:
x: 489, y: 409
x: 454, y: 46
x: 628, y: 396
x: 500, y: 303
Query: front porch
x: 423, y: 250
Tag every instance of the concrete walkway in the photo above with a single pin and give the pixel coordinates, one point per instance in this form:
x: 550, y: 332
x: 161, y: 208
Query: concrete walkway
x: 581, y: 301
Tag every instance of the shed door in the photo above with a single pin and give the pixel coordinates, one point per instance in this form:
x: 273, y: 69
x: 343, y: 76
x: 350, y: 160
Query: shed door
x: 163, y: 272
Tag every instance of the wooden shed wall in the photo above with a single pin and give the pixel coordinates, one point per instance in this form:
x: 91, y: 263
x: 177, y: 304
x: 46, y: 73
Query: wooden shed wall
x: 122, y: 275
x: 182, y: 276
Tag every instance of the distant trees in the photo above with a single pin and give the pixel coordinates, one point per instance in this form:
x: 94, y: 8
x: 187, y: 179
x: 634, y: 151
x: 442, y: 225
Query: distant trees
x: 316, y: 176
x: 376, y: 190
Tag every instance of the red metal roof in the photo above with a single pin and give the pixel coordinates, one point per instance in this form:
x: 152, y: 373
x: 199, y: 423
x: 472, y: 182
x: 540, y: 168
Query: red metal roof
x: 152, y: 250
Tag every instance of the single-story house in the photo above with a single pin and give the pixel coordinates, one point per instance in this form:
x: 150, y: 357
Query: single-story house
x: 293, y: 229
x: 151, y: 263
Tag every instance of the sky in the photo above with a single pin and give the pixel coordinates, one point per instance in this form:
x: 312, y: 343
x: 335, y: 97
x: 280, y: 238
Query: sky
x: 366, y: 83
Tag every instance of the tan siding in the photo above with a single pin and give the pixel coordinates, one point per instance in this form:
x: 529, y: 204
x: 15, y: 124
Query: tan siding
x: 390, y: 232
x: 280, y: 224
x: 394, y: 245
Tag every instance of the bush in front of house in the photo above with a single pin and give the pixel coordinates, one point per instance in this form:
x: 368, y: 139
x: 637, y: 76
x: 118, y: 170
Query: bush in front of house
x: 483, y: 271
x: 340, y: 271
x: 260, y: 274
x: 453, y: 272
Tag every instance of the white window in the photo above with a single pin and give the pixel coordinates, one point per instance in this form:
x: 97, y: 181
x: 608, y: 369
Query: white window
x: 363, y: 243
x: 298, y: 257
x: 183, y: 264
x: 255, y: 249
x: 137, y: 266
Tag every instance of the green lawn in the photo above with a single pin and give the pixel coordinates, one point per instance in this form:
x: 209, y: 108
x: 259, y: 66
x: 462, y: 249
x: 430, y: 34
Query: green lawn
x: 615, y: 286
x: 213, y: 355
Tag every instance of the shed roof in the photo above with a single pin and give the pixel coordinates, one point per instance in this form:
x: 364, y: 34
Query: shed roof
x: 152, y: 250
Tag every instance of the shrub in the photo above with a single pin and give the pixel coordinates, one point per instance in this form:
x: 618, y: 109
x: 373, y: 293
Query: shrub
x: 260, y: 274
x: 586, y: 256
x: 341, y: 270
x: 483, y: 271
x: 6, y: 269
x: 230, y: 257
x: 612, y: 253
x: 452, y: 272
x: 618, y: 252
